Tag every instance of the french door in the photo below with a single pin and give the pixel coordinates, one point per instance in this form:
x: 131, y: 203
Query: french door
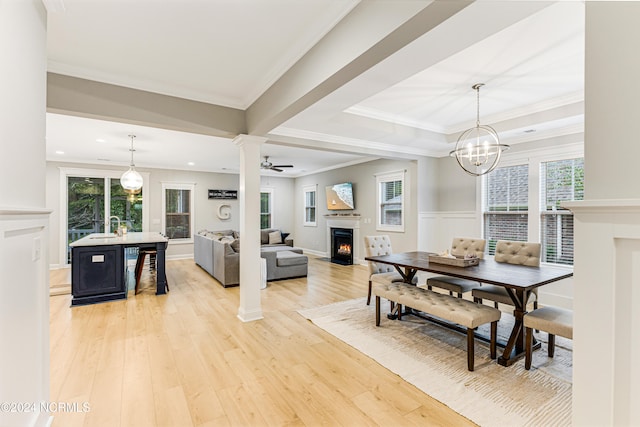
x: 93, y: 201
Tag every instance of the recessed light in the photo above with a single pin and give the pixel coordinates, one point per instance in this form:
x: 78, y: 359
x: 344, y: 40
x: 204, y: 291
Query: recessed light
x: 101, y: 140
x: 59, y: 152
x: 191, y: 164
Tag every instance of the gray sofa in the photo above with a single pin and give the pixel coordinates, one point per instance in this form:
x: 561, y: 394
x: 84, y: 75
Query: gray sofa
x: 217, y: 252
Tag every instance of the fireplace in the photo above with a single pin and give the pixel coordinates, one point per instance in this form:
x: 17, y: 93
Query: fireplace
x: 342, y: 246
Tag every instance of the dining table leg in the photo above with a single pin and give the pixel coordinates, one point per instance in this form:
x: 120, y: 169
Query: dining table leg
x: 407, y: 276
x: 515, y: 348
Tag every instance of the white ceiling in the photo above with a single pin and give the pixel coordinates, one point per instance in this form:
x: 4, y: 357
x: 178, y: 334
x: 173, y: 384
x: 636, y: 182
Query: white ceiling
x: 415, y: 102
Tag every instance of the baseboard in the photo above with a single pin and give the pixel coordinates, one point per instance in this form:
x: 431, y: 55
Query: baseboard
x: 179, y: 256
x: 312, y: 252
x: 247, y: 316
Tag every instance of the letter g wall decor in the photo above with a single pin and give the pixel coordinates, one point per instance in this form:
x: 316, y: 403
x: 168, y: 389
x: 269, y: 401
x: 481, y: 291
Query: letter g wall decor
x: 224, y: 212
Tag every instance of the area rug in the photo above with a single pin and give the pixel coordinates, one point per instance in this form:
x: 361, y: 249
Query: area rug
x: 433, y: 359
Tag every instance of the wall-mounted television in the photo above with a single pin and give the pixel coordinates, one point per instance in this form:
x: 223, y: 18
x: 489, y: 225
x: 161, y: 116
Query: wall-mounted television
x: 340, y: 197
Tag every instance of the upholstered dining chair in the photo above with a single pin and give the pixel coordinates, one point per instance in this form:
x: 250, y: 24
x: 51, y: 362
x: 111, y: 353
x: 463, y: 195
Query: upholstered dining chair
x: 554, y: 321
x: 460, y: 246
x: 511, y: 252
x: 378, y: 272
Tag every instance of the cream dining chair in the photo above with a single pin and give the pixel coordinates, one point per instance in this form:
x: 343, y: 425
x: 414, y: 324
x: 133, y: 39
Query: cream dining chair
x: 460, y: 246
x: 554, y: 321
x: 378, y: 272
x: 511, y: 252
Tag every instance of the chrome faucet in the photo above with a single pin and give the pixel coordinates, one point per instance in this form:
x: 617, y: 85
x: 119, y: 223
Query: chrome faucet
x: 118, y: 219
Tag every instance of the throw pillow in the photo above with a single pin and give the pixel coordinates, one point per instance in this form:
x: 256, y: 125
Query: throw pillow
x: 275, y: 238
x: 264, y: 236
x: 236, y: 245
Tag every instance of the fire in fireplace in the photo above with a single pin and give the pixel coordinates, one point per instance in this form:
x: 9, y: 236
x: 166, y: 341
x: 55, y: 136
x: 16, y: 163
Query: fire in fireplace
x: 342, y: 246
x: 344, y: 249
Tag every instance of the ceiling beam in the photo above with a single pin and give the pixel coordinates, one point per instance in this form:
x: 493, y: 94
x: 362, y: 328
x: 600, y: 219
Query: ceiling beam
x: 86, y: 98
x: 319, y: 73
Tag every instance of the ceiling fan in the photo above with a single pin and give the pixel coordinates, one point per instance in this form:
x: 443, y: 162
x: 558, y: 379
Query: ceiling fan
x: 266, y: 164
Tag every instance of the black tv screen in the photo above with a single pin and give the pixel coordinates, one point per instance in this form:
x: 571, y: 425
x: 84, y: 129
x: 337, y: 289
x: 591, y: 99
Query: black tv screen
x: 340, y: 197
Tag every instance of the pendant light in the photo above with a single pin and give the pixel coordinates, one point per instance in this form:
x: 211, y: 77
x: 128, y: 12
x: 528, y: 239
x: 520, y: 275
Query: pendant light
x: 131, y: 180
x: 478, y: 149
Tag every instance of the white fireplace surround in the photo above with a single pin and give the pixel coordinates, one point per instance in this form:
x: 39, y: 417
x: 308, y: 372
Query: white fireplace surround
x: 349, y: 222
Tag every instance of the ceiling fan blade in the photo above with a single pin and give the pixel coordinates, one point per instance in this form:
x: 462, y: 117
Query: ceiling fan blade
x: 282, y: 166
x: 273, y: 168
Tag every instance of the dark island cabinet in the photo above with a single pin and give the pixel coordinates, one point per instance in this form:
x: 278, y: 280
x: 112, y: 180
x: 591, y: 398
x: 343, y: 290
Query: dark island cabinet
x: 98, y: 274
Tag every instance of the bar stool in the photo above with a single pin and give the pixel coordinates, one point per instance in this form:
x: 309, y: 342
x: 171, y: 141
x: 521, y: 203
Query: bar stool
x: 142, y: 253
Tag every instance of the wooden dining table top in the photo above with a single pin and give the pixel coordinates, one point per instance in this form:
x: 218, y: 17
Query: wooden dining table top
x: 487, y: 270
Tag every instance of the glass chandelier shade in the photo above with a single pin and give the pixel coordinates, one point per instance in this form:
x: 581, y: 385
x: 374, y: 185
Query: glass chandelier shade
x: 131, y: 180
x: 478, y: 149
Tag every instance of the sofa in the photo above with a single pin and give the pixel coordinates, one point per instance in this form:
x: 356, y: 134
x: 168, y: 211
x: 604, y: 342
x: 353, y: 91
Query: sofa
x: 218, y: 253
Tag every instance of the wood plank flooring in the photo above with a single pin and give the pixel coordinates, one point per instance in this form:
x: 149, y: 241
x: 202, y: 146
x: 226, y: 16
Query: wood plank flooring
x: 185, y: 359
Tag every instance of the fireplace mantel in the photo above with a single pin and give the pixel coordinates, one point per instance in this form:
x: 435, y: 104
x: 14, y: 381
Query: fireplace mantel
x: 344, y: 221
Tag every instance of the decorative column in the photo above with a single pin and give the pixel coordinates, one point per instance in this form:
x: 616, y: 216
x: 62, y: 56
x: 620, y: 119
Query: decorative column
x: 606, y: 349
x: 250, y: 308
x: 24, y: 218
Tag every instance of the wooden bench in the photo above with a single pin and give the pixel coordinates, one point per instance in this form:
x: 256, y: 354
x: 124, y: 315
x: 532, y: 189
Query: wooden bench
x: 446, y: 307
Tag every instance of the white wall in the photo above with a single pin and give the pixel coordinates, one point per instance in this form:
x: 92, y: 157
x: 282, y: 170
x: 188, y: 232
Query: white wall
x: 365, y: 197
x: 24, y: 280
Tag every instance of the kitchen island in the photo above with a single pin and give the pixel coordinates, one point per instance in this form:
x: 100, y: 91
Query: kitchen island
x: 99, y: 268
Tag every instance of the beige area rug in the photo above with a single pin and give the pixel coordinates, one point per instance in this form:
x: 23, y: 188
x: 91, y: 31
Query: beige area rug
x: 433, y: 359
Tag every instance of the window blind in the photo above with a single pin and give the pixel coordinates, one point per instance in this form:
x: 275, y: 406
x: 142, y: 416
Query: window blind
x: 561, y: 181
x: 506, y: 205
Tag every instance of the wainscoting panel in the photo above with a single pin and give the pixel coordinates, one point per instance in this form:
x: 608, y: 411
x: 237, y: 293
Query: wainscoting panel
x: 24, y: 314
x: 437, y: 229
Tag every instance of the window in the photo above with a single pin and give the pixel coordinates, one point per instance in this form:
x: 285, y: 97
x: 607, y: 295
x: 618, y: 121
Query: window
x: 178, y: 211
x: 390, y: 201
x: 506, y: 205
x: 522, y: 201
x: 310, y: 193
x: 266, y: 211
x: 561, y: 181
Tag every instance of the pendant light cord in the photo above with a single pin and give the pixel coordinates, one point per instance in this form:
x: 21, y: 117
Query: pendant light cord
x: 132, y: 150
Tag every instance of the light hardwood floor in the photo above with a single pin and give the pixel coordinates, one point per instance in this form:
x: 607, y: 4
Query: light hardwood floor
x: 185, y: 359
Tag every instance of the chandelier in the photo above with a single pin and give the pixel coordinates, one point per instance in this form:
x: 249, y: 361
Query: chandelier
x: 131, y: 180
x: 478, y: 149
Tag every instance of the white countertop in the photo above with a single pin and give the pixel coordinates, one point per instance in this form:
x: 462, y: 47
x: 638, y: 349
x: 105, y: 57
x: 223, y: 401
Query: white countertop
x: 132, y: 239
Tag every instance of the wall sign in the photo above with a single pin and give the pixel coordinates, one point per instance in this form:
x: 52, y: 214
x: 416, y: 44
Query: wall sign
x: 223, y: 194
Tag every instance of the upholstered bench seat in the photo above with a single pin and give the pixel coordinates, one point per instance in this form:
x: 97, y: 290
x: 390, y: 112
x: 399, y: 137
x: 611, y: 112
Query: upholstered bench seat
x: 455, y: 310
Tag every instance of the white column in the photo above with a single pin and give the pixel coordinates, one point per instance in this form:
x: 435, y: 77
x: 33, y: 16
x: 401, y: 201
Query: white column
x: 250, y: 308
x: 606, y: 376
x: 24, y: 219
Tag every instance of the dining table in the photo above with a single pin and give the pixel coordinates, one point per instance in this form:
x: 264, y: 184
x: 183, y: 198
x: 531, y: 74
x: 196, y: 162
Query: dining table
x: 518, y: 280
